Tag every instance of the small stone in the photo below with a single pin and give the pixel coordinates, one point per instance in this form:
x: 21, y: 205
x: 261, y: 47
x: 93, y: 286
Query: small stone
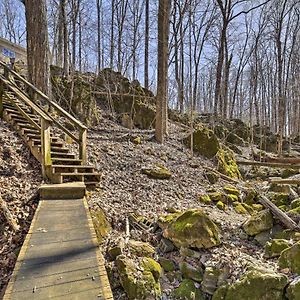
x: 141, y: 249
x: 220, y: 205
x: 186, y: 252
x: 239, y: 208
x: 231, y: 191
x: 137, y: 140
x: 263, y: 237
x: 166, y: 246
x: 205, y: 199
x: 158, y: 172
x: 190, y: 272
x: 114, y: 252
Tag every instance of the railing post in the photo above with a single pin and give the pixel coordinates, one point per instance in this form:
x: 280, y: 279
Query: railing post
x: 1, y: 99
x: 82, y: 145
x: 45, y: 146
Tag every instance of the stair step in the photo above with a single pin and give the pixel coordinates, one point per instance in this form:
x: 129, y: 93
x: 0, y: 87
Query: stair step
x: 62, y: 155
x: 30, y: 131
x: 80, y: 174
x: 21, y: 126
x: 59, y: 149
x: 61, y: 161
x: 70, y: 168
x: 54, y: 142
x: 16, y: 113
x: 72, y: 190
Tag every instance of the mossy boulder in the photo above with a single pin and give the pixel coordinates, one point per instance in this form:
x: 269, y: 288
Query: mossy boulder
x: 239, y: 208
x: 140, y: 279
x: 190, y: 272
x: 188, y: 291
x: 231, y: 190
x: 167, y: 264
x: 191, y: 228
x: 157, y: 172
x: 220, y: 293
x: 294, y: 212
x: 211, y: 279
x: 216, y: 196
x: 275, y: 247
x: 227, y: 163
x: 250, y: 197
x: 205, y: 142
x: 293, y: 290
x: 141, y: 249
x: 258, y: 222
x: 232, y: 198
x: 101, y: 224
x: 258, y: 285
x: 205, y: 199
x: 290, y: 258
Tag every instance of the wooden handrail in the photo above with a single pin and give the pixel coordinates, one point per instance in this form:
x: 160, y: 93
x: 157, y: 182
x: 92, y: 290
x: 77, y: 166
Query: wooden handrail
x: 43, y: 96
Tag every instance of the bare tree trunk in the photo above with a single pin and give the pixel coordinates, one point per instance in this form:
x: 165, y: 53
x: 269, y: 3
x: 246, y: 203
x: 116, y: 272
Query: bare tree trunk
x: 37, y: 44
x: 146, y: 66
x: 162, y: 70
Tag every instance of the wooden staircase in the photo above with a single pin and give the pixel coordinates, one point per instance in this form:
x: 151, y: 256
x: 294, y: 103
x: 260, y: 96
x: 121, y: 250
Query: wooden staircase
x: 44, y: 133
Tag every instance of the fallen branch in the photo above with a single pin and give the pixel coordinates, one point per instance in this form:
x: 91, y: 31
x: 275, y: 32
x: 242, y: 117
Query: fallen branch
x: 283, y: 217
x: 268, y: 164
x: 285, y: 181
x: 7, y: 214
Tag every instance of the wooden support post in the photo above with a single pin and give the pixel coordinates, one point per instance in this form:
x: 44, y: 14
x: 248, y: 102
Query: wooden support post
x: 1, y: 99
x: 45, y: 146
x: 82, y: 145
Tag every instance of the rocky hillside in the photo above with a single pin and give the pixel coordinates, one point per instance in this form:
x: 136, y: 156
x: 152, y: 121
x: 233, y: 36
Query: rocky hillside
x: 177, y: 228
x: 19, y: 180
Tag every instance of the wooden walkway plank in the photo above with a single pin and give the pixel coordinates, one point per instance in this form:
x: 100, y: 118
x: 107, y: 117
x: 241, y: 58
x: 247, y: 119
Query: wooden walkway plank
x: 60, y: 258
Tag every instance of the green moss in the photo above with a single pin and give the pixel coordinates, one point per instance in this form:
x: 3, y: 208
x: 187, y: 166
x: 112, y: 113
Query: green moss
x: 188, y: 291
x: 232, y: 198
x: 220, y: 293
x: 192, y: 228
x: 239, y: 208
x: 101, y: 224
x: 285, y: 234
x: 295, y: 211
x: 140, y: 280
x: 231, y: 190
x: 167, y: 264
x: 205, y: 199
x: 139, y: 248
x: 227, y: 164
x: 259, y: 222
x: 205, y: 142
x: 279, y: 198
x: 289, y: 172
x: 295, y: 203
x: 159, y: 172
x: 283, y: 207
x: 220, y: 205
x: 290, y: 258
x: 257, y: 285
x: 275, y: 247
x: 249, y: 208
x: 211, y: 177
x: 137, y: 140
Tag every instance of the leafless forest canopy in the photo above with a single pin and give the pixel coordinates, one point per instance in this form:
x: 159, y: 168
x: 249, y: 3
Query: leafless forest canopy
x: 233, y: 58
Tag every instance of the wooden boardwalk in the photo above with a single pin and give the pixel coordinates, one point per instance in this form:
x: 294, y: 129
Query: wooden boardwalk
x: 60, y: 258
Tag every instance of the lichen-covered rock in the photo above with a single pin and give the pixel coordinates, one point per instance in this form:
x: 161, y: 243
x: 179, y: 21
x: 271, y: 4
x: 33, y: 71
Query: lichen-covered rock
x: 227, y: 164
x: 258, y: 285
x: 216, y: 196
x: 220, y: 205
x: 275, y: 247
x: 220, y: 293
x: 263, y: 237
x: 191, y: 228
x: 232, y: 198
x: 250, y: 197
x: 290, y: 258
x: 205, y: 199
x: 141, y: 249
x: 293, y: 290
x: 101, y: 224
x: 231, y: 191
x: 294, y: 212
x: 210, y: 280
x: 205, y: 142
x: 157, y: 172
x: 140, y: 280
x: 257, y: 207
x: 239, y: 208
x: 190, y: 272
x: 188, y: 291
x: 258, y: 222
